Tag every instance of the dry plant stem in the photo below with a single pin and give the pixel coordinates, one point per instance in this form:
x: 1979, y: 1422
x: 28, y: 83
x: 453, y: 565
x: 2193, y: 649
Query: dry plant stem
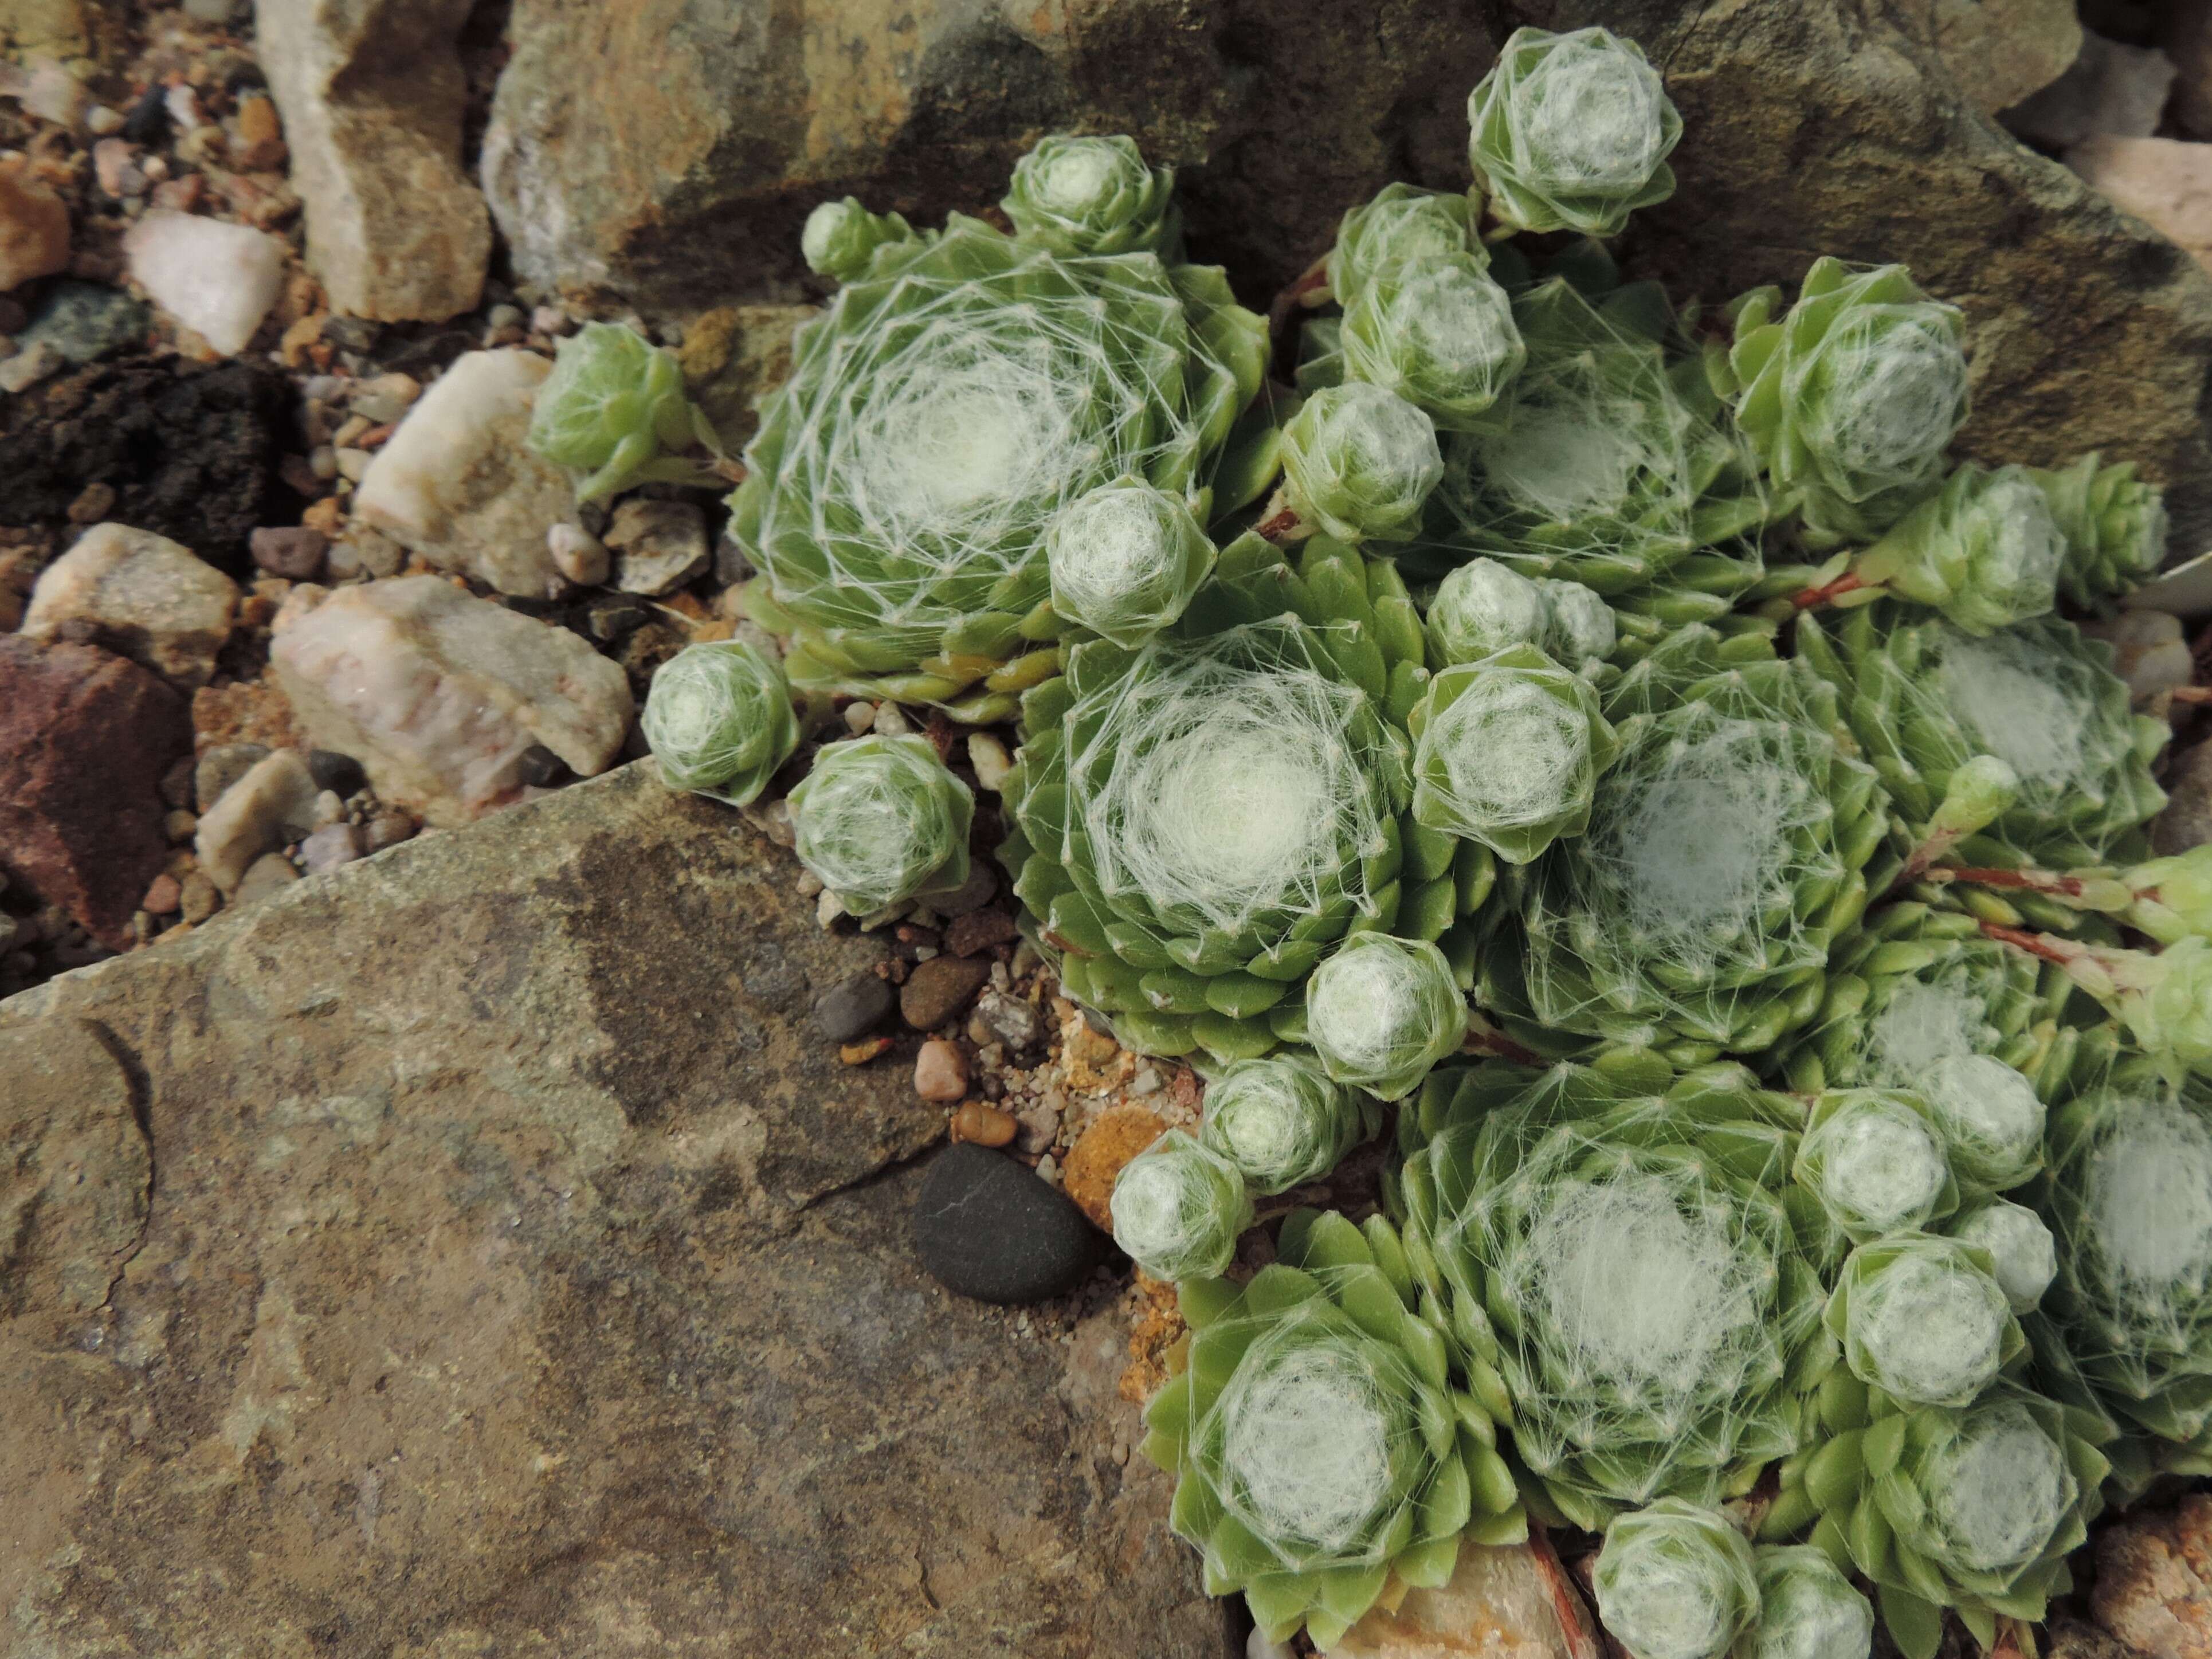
x: 1827, y: 592
x: 2061, y: 951
x: 2197, y: 694
x: 1481, y: 1040
x: 1305, y: 294
x: 2031, y: 881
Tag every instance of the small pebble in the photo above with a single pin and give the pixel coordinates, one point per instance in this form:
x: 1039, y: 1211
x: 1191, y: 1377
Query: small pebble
x: 222, y: 766
x: 1146, y: 1082
x: 541, y: 768
x: 323, y: 462
x: 984, y: 1228
x: 989, y: 758
x: 983, y: 1125
x: 197, y: 897
x: 93, y: 504
x: 979, y: 930
x: 973, y: 894
x: 340, y: 774
x: 34, y: 364
x: 353, y: 464
x: 148, y: 123
x: 578, y: 555
x: 115, y: 168
x: 388, y: 829
x: 1039, y: 1127
x: 179, y: 826
x: 940, y: 1071
x: 859, y: 717
x: 861, y: 1053
x: 939, y: 988
x: 852, y: 1006
x: 162, y: 896
x: 503, y: 316
x: 266, y: 875
x: 1007, y: 1019
x: 549, y: 320
x: 295, y: 554
x: 329, y: 809
x: 100, y: 121
x: 808, y: 883
x: 329, y: 846
x: 890, y: 722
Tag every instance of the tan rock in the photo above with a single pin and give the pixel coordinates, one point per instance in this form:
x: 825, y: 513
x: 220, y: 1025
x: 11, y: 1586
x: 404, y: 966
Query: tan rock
x: 2112, y: 87
x: 458, y: 484
x: 272, y: 804
x: 31, y: 29
x: 1998, y: 50
x: 1507, y: 1603
x: 2154, y: 1587
x: 2165, y: 182
x: 34, y: 228
x: 505, y: 1253
x: 439, y: 694
x: 373, y: 97
x: 142, y: 595
x: 218, y: 279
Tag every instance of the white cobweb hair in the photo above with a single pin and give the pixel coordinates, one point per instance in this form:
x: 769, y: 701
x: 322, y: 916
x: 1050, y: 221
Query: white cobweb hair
x: 1875, y: 1163
x: 1313, y: 1444
x: 1481, y: 609
x: 1675, y: 1582
x: 1997, y: 1487
x: 2020, y: 1247
x: 1808, y: 1609
x: 1227, y: 780
x: 1989, y: 1114
x: 1926, y: 1325
x: 1588, y: 117
x: 1178, y: 1207
x: 1893, y: 395
x: 1513, y: 755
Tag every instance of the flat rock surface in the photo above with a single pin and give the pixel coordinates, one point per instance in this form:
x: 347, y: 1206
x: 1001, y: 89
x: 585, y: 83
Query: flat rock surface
x: 522, y: 1274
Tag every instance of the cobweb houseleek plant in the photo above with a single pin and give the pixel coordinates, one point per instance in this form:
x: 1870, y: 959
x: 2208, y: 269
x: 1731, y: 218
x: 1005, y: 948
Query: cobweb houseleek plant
x: 1877, y: 1163
x: 1726, y: 851
x: 1807, y: 1608
x: 2022, y: 1255
x: 2115, y: 524
x: 840, y: 238
x: 2164, y: 997
x: 1850, y: 396
x: 1620, y: 1247
x: 1197, y: 824
x: 938, y: 414
x: 1971, y: 1510
x: 1125, y: 560
x: 1380, y: 1013
x: 1439, y: 333
x: 1485, y: 607
x: 1081, y: 197
x: 1282, y: 1122
x: 719, y: 721
x: 1325, y: 1459
x: 613, y: 410
x: 1359, y: 460
x: 1571, y: 132
x: 1925, y: 698
x: 1401, y: 226
x: 1923, y: 1320
x: 1676, y: 1580
x: 881, y: 820
x: 1178, y: 1207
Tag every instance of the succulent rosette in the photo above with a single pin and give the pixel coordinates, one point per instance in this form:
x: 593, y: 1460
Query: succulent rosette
x: 1178, y: 1207
x: 1971, y: 1508
x: 1807, y: 1608
x: 1439, y: 333
x: 2022, y: 1255
x: 1324, y: 1459
x: 1876, y: 1161
x: 1571, y: 132
x: 1923, y: 1320
x: 1985, y: 551
x: 1359, y: 461
x: 1916, y: 992
x: 1484, y: 608
x: 1382, y: 1011
x: 613, y: 409
x: 2128, y: 1200
x: 1726, y: 853
x: 1125, y: 560
x: 1507, y: 751
x: 881, y: 820
x: 2115, y: 524
x: 1925, y: 698
x: 938, y: 414
x: 1676, y: 1580
x: 1608, y: 460
x: 719, y: 720
x: 1850, y: 396
x: 1402, y: 225
x: 1081, y: 197
x: 840, y: 238
x: 1199, y: 823
x: 1619, y: 1251
x: 1282, y: 1122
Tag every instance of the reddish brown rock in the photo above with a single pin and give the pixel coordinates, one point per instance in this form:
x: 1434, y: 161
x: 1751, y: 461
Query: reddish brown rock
x: 84, y: 739
x: 2154, y: 1581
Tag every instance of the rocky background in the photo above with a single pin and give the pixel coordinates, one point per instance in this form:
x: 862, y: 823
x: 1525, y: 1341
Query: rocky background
x: 437, y: 1242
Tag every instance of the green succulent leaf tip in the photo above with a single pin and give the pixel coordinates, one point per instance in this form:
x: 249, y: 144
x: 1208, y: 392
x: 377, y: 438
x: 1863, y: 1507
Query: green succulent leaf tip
x: 1876, y: 1161
x: 2172, y: 897
x: 1807, y: 1608
x: 1507, y: 752
x: 614, y: 408
x: 1359, y: 461
x: 1923, y: 1319
x: 2128, y: 1200
x: 1985, y: 551
x: 1381, y: 1011
x: 1621, y: 1250
x: 1321, y: 1450
x: 2018, y: 1244
x: 1081, y: 197
x: 1676, y: 1580
x: 1282, y: 1122
x: 2115, y: 524
x: 1440, y: 334
x: 840, y: 238
x: 719, y: 720
x: 1178, y: 1208
x: 881, y: 820
x: 1571, y: 132
x: 1403, y: 226
x: 1851, y: 397
x: 1125, y: 560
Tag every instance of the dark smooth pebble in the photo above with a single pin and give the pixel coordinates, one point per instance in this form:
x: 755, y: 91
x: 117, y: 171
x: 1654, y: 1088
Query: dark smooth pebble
x: 985, y: 1227
x: 341, y: 775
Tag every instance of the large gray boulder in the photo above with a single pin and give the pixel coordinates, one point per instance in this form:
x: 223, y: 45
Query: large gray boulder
x: 1815, y: 126
x: 474, y: 1251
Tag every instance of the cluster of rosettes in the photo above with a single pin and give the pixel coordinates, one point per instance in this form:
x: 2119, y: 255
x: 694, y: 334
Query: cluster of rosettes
x: 1496, y: 657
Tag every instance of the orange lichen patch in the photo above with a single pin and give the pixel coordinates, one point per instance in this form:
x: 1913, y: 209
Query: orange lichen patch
x: 245, y: 711
x: 1108, y: 1141
x: 1156, y: 1326
x: 1092, y: 1061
